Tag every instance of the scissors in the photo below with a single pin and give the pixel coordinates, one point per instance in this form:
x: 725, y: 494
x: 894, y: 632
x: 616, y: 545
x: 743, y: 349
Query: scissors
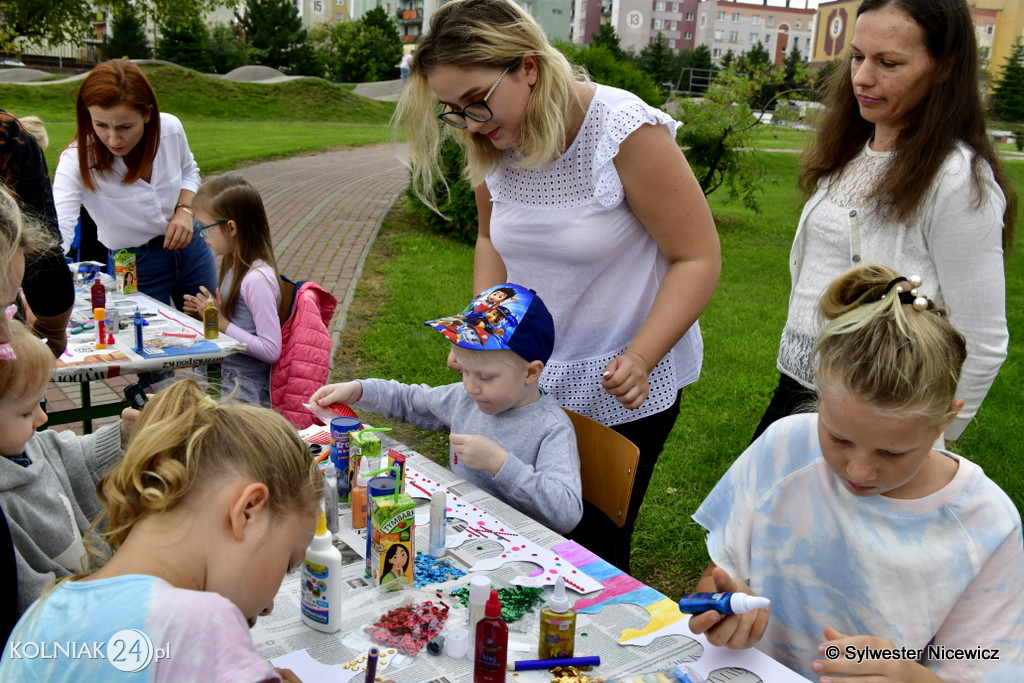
x: 79, y: 328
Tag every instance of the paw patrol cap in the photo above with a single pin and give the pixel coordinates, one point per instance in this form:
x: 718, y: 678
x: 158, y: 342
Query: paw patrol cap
x: 507, y: 316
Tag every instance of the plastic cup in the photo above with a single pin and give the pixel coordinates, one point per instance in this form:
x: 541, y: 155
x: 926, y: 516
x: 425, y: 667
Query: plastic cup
x: 340, y: 428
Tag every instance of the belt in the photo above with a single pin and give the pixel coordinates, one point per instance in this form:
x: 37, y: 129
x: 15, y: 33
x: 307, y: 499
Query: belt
x: 157, y: 241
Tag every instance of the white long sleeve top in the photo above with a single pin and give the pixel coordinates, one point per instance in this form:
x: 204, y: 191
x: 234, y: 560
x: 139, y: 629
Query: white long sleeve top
x: 127, y: 215
x: 954, y: 244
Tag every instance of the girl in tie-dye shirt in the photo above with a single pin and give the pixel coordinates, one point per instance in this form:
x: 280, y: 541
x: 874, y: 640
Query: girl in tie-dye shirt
x: 858, y: 529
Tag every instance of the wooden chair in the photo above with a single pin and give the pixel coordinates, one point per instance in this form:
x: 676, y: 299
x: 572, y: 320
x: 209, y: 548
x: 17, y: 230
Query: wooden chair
x: 288, y: 291
x: 607, y: 466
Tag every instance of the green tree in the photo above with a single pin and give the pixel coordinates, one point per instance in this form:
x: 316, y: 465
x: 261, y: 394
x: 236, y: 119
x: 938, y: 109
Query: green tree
x: 656, y: 60
x: 607, y: 38
x: 727, y: 59
x: 604, y: 67
x: 128, y: 37
x: 228, y: 49
x: 821, y: 78
x: 360, y: 51
x: 693, y: 69
x: 186, y: 43
x: 56, y: 21
x: 274, y: 29
x: 757, y: 57
x: 717, y: 129
x: 1007, y: 103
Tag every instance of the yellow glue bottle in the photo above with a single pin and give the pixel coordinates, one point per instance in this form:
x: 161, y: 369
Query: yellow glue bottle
x: 320, y: 602
x: 211, y: 320
x: 100, y: 314
x: 557, y: 625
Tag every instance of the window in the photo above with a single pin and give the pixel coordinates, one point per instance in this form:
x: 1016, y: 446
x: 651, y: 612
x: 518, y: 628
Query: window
x: 659, y: 24
x: 734, y: 36
x: 735, y: 17
x: 756, y: 20
x: 673, y: 26
x: 703, y: 19
x: 672, y: 43
x: 754, y: 39
x: 716, y: 53
x: 720, y: 16
x: 767, y: 38
x: 675, y: 7
x: 799, y: 22
x: 689, y: 16
x: 718, y: 34
x: 990, y: 29
x: 688, y: 35
x: 771, y: 20
x: 659, y: 6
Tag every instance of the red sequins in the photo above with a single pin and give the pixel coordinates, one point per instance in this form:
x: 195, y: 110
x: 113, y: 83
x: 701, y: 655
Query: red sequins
x: 409, y: 628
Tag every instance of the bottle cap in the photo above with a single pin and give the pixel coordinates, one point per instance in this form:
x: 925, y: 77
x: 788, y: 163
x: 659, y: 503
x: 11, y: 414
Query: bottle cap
x: 457, y: 643
x: 321, y: 523
x: 363, y: 478
x: 329, y: 469
x: 493, y: 609
x: 479, y: 589
x: 559, y: 602
x: 99, y: 313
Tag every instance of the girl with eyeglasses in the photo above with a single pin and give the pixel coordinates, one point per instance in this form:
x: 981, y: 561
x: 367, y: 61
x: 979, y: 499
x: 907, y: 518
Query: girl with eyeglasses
x: 131, y: 167
x: 231, y: 218
x: 584, y: 196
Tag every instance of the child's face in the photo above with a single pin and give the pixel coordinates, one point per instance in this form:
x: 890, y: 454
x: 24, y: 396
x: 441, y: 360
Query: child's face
x: 495, y: 385
x: 281, y: 550
x: 875, y: 452
x: 217, y: 237
x: 20, y: 416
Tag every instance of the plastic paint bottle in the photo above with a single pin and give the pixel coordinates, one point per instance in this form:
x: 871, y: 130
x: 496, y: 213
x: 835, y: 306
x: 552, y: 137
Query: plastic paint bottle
x: 438, y: 524
x: 331, y: 496
x: 100, y: 314
x: 320, y: 603
x: 726, y: 603
x: 557, y: 625
x: 479, y: 591
x: 98, y: 293
x: 211, y: 322
x: 359, y: 496
x: 491, y: 654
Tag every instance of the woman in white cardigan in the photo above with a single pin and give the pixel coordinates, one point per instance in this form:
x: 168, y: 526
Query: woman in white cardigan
x: 130, y: 165
x: 903, y: 174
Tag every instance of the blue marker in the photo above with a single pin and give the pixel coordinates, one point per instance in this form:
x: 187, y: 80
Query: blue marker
x: 726, y: 603
x: 139, y: 323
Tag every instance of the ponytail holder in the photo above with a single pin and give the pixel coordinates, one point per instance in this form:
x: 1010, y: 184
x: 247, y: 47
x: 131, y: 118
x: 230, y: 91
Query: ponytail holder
x: 920, y: 303
x: 206, y: 403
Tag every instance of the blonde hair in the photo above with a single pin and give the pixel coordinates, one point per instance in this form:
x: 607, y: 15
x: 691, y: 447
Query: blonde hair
x: 885, y: 351
x: 31, y: 370
x: 35, y: 127
x: 484, y: 33
x: 184, y: 438
x: 18, y: 231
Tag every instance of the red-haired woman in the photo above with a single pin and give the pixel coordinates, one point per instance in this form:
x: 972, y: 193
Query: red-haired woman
x: 130, y: 165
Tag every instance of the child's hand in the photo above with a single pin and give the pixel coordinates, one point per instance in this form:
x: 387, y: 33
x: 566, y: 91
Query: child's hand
x: 836, y: 661
x: 737, y: 631
x: 194, y: 306
x: 342, y: 392
x: 625, y: 378
x: 478, y: 452
x: 128, y: 418
x: 287, y: 676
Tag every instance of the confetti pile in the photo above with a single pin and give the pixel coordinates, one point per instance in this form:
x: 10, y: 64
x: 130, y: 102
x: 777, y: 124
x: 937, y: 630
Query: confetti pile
x: 409, y: 628
x: 435, y: 570
x: 515, y: 601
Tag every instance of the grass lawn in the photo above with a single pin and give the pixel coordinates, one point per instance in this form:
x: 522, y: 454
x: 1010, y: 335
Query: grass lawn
x: 414, y: 275
x: 227, y: 123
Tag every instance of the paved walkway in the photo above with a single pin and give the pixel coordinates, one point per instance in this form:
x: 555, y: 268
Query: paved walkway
x: 324, y: 211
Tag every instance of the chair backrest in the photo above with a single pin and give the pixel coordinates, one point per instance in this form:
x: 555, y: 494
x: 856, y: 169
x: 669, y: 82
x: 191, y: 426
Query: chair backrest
x: 607, y: 466
x: 288, y: 291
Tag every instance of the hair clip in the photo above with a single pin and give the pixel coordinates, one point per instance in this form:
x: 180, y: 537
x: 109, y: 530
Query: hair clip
x: 913, y: 297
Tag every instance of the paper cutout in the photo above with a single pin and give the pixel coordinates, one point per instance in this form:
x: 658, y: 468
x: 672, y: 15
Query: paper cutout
x: 308, y: 669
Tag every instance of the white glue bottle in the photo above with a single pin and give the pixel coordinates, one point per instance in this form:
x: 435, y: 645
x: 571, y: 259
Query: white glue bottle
x: 321, y: 581
x: 479, y: 592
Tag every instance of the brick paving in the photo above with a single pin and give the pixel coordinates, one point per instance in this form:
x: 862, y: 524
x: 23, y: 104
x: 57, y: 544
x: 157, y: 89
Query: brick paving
x: 325, y: 211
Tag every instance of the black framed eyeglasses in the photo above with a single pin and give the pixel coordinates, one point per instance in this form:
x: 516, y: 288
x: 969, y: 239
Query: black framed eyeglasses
x: 477, y: 111
x: 201, y: 229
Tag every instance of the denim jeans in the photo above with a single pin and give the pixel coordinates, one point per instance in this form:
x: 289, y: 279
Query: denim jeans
x: 168, y: 276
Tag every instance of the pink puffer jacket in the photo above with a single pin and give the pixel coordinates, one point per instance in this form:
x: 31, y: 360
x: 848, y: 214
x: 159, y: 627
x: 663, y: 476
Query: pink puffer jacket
x: 305, y: 362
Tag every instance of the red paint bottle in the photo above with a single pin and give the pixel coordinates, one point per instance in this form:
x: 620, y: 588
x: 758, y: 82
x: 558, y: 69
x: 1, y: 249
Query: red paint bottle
x: 98, y: 293
x: 491, y: 653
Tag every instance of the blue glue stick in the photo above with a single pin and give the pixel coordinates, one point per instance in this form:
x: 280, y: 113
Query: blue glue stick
x: 139, y: 322
x: 726, y: 603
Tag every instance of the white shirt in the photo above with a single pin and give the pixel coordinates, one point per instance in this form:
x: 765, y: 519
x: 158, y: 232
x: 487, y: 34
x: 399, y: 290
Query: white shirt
x: 954, y: 244
x: 127, y: 215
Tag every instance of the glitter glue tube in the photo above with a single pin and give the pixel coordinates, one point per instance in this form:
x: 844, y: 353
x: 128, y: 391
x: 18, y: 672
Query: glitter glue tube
x: 557, y: 625
x: 331, y: 496
x: 726, y: 603
x: 479, y: 590
x: 438, y: 524
x: 100, y: 314
x: 491, y: 654
x: 139, y: 323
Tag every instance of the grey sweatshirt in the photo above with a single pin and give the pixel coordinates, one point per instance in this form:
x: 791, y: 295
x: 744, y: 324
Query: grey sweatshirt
x: 540, y: 479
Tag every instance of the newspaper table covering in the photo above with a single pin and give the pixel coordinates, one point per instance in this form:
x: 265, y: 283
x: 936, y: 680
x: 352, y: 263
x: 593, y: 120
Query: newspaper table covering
x: 633, y: 627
